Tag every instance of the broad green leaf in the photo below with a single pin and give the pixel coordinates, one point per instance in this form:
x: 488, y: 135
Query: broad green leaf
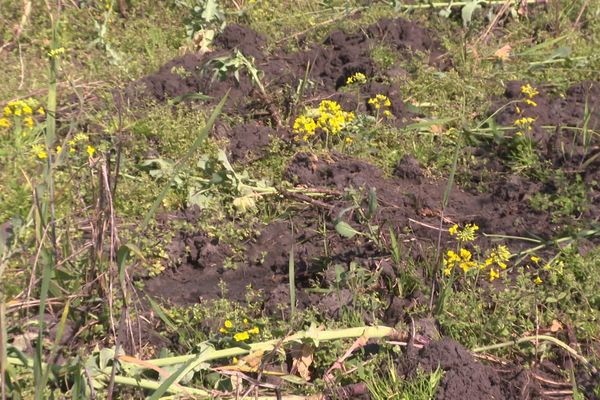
x: 345, y: 230
x: 468, y: 10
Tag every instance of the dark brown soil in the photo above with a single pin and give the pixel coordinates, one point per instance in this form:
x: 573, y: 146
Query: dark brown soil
x: 464, y: 377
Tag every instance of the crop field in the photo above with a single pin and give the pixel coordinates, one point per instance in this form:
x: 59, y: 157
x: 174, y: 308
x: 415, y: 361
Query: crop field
x: 252, y: 199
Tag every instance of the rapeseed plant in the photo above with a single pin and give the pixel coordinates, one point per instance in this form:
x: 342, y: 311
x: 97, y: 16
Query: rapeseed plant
x: 357, y: 78
x: 382, y: 105
x: 239, y: 335
x: 329, y: 119
x: 495, y: 259
x: 529, y: 91
x: 19, y: 115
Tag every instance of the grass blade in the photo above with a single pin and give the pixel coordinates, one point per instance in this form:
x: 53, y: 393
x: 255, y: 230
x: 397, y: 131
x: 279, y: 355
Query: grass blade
x: 292, y: 277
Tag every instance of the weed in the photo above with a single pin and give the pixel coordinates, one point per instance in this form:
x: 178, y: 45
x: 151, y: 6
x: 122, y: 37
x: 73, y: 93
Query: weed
x: 566, y: 198
x: 388, y: 385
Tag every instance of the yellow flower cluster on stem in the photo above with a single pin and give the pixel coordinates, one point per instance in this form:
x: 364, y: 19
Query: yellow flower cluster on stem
x: 495, y: 260
x: 19, y: 114
x: 330, y: 119
x: 357, y: 78
x: 241, y: 335
x: 382, y: 105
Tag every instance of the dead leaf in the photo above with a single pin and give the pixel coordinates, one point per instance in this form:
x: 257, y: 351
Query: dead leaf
x: 302, y: 360
x: 503, y: 53
x: 438, y: 129
x: 556, y: 326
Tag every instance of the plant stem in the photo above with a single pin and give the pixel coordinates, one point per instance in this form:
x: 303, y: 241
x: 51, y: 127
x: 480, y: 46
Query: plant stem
x: 368, y: 331
x: 537, y: 338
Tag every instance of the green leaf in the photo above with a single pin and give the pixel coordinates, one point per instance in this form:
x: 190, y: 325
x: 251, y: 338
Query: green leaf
x: 172, y: 380
x: 372, y: 200
x: 345, y: 230
x: 468, y: 10
x: 159, y: 311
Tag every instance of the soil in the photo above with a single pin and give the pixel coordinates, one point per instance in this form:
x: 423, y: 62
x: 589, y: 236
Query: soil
x: 564, y: 146
x: 465, y: 377
x: 408, y: 201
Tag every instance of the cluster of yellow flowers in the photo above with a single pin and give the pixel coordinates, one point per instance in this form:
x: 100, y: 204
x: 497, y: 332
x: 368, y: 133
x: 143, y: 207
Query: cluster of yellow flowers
x: 467, y: 234
x: 56, y: 52
x: 19, y: 114
x: 39, y: 150
x: 495, y: 259
x: 525, y: 123
x: 381, y: 102
x: 357, y: 78
x: 530, y: 92
x: 330, y: 119
x: 239, y: 336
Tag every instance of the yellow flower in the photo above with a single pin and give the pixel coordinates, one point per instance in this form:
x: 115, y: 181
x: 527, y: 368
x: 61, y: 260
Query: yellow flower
x: 254, y: 331
x: 72, y: 150
x: 4, y: 123
x: 452, y: 256
x: 453, y: 230
x: 348, y: 139
x: 228, y: 324
x: 40, y: 111
x: 503, y: 253
x: 468, y: 233
x: 39, y: 151
x: 494, y: 274
x: 380, y: 100
x: 245, y: 321
x: 525, y: 121
x: 18, y: 112
x: 80, y: 137
x: 222, y: 330
x: 58, y: 149
x: 28, y: 121
x: 241, y: 336
x: 537, y: 280
x: 465, y: 254
x: 531, y: 102
x: 27, y: 110
x: 7, y: 111
x: 305, y: 126
x: 358, y: 77
x: 535, y: 259
x: 90, y: 150
x: 56, y: 52
x: 529, y: 91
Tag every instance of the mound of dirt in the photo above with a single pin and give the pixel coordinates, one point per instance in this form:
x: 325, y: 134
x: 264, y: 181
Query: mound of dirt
x: 330, y: 64
x: 406, y: 200
x: 568, y: 114
x: 464, y: 377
